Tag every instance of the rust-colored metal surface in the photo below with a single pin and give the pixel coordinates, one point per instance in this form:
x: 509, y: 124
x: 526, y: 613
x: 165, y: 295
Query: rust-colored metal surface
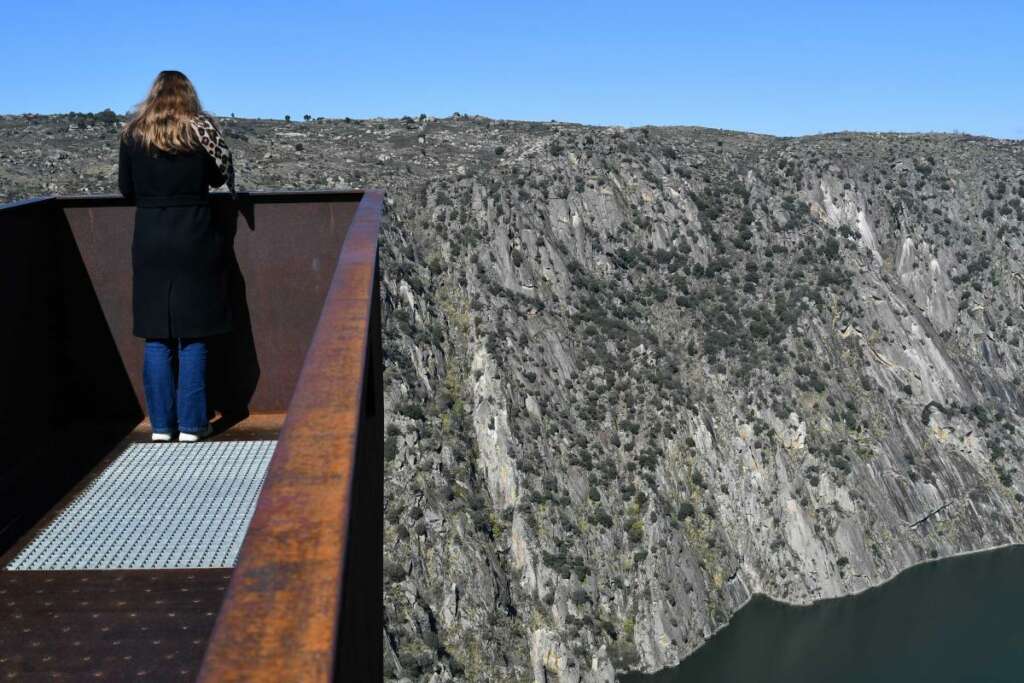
x: 107, y: 625
x: 284, y: 250
x: 305, y: 601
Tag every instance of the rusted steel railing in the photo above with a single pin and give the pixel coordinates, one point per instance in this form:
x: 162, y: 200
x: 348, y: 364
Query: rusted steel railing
x: 305, y: 600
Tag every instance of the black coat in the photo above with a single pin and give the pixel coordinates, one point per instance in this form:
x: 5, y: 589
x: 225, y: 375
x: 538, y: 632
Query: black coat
x: 179, y: 257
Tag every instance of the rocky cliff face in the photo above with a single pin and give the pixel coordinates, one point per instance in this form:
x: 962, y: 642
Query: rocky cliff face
x: 636, y: 375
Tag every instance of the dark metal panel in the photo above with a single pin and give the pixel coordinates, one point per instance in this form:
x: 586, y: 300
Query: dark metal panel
x: 287, y: 258
x: 244, y: 198
x: 65, y: 397
x: 359, y: 654
x: 310, y: 565
x: 283, y: 256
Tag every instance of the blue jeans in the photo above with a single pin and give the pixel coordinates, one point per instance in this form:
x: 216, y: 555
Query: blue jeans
x: 169, y: 409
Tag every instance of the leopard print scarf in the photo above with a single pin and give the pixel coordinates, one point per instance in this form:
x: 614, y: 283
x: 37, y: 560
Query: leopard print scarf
x: 214, y: 144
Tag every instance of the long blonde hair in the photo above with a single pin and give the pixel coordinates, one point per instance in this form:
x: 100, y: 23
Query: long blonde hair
x: 161, y: 121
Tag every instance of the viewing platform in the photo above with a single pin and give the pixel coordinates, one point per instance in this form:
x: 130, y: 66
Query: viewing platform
x: 254, y: 555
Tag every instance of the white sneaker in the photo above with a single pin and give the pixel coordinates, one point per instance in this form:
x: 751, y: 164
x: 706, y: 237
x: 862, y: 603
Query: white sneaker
x: 160, y: 436
x: 185, y: 436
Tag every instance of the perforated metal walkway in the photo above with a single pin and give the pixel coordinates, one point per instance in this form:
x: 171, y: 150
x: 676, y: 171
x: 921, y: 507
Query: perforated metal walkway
x: 157, y: 506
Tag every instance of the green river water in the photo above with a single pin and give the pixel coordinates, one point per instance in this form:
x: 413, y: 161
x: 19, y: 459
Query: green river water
x: 956, y: 620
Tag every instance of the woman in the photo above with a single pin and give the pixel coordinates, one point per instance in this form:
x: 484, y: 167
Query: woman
x: 171, y: 154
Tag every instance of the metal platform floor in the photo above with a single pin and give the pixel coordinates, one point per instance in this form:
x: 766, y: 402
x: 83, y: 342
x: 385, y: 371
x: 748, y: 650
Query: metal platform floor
x: 121, y: 624
x: 157, y: 506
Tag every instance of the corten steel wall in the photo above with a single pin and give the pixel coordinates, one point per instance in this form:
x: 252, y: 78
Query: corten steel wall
x: 65, y: 397
x: 305, y: 600
x: 285, y: 246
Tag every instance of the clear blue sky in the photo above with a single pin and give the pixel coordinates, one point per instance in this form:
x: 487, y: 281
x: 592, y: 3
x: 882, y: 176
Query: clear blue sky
x: 787, y: 68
